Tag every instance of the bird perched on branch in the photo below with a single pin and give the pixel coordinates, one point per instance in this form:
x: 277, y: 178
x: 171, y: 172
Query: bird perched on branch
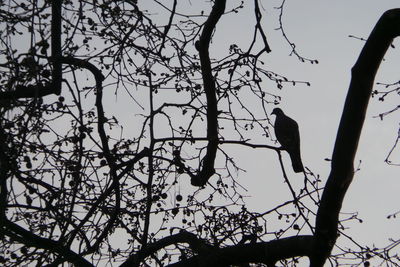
x: 287, y: 133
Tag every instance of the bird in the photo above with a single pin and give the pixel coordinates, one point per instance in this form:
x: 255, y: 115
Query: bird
x: 287, y: 133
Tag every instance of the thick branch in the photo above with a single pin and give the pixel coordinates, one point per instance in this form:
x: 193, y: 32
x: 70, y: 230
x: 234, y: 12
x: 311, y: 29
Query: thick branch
x: 202, y: 45
x: 195, y: 243
x: 265, y: 252
x: 29, y: 91
x: 363, y: 75
x: 4, y: 169
x: 56, y: 45
x: 33, y: 240
x: 80, y: 63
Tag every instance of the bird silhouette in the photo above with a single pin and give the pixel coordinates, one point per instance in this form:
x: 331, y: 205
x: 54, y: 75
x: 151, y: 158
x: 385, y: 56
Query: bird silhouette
x: 287, y: 133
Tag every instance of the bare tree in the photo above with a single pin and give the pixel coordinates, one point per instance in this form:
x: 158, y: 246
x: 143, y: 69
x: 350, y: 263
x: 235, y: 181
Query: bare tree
x: 89, y: 183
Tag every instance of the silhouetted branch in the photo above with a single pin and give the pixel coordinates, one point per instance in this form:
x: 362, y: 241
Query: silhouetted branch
x: 33, y: 240
x: 30, y: 91
x: 292, y: 44
x: 168, y: 27
x: 79, y: 63
x: 363, y: 75
x: 264, y: 252
x: 259, y: 27
x: 202, y: 139
x: 207, y: 170
x: 4, y: 169
x: 198, y: 245
x: 56, y: 45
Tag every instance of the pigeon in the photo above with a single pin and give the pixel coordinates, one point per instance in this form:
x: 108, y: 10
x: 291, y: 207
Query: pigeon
x: 287, y: 133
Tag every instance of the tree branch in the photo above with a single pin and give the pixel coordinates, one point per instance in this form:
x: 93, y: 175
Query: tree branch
x: 207, y: 170
x: 198, y: 245
x: 342, y: 170
x: 259, y: 27
x: 264, y: 252
x: 33, y: 240
x: 56, y: 45
x: 99, y: 77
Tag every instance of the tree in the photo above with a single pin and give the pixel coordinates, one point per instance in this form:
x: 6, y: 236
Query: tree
x: 86, y: 182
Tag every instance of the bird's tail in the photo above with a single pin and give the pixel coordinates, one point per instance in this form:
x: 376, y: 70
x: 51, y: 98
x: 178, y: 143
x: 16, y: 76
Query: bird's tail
x: 296, y: 162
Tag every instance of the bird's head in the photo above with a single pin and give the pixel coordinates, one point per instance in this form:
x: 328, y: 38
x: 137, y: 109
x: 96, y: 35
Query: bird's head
x: 277, y: 111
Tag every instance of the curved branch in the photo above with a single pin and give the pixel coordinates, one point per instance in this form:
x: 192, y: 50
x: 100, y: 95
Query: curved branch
x: 198, y: 245
x: 80, y: 63
x: 33, y: 240
x: 264, y: 252
x: 207, y: 170
x: 342, y: 170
